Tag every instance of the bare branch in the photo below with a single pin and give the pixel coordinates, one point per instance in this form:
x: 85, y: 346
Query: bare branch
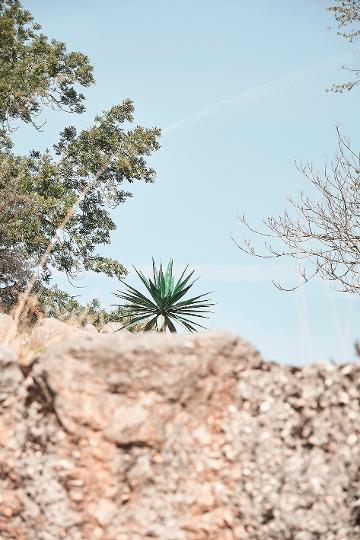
x: 325, y: 231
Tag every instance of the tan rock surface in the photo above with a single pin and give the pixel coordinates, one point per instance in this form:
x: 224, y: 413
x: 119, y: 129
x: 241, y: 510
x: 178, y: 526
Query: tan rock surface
x: 112, y: 328
x: 129, y: 437
x: 7, y: 327
x: 48, y: 331
x: 10, y: 374
x: 90, y: 328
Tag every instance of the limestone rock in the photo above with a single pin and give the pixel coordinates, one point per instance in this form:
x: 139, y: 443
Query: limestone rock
x: 10, y: 374
x: 49, y: 330
x: 112, y: 328
x: 7, y: 327
x: 139, y: 436
x: 90, y: 328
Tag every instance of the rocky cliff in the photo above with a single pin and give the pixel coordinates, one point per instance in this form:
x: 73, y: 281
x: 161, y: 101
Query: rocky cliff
x: 129, y: 437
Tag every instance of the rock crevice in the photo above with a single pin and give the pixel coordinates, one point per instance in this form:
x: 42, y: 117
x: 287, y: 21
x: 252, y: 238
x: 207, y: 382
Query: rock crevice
x: 126, y: 437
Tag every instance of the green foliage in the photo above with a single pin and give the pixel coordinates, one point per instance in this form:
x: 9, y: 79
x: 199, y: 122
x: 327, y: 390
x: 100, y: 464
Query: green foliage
x: 35, y: 71
x: 165, y: 304
x: 39, y: 190
x: 53, y: 302
x: 15, y: 271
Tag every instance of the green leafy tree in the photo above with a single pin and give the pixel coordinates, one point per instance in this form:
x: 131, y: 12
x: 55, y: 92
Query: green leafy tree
x: 48, y: 187
x: 79, y: 181
x: 165, y: 305
x: 15, y: 272
x: 36, y: 71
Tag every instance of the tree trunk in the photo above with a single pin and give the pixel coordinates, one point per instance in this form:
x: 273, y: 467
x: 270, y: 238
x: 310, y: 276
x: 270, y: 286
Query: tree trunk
x: 164, y: 327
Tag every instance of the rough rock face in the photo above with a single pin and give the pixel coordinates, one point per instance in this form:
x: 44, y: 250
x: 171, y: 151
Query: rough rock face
x: 112, y: 328
x: 7, y: 327
x: 90, y: 328
x: 48, y: 331
x: 10, y: 374
x: 131, y: 437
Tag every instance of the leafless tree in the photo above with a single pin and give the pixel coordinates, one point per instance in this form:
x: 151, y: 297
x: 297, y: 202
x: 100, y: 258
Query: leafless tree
x: 323, y: 232
x: 347, y: 16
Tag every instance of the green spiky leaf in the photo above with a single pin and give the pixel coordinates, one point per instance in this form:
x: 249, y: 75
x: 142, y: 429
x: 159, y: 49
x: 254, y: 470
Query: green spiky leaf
x: 164, y: 302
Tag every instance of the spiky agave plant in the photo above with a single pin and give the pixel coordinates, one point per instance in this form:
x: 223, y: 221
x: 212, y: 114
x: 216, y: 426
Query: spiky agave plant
x: 165, y: 306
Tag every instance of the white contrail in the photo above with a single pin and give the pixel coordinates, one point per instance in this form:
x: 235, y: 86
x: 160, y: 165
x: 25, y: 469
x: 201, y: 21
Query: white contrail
x: 254, y: 93
x: 245, y: 96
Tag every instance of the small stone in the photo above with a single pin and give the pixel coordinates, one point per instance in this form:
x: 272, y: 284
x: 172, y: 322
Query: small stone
x: 265, y: 406
x: 76, y: 496
x: 204, y: 496
x: 140, y: 472
x: 112, y: 328
x: 64, y: 464
x: 352, y: 439
x: 202, y: 435
x: 104, y: 512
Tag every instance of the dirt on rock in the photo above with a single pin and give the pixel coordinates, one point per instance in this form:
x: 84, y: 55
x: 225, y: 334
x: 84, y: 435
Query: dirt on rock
x: 132, y: 436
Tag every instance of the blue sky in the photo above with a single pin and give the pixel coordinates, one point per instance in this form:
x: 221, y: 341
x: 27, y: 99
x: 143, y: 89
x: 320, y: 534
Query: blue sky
x: 239, y: 90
